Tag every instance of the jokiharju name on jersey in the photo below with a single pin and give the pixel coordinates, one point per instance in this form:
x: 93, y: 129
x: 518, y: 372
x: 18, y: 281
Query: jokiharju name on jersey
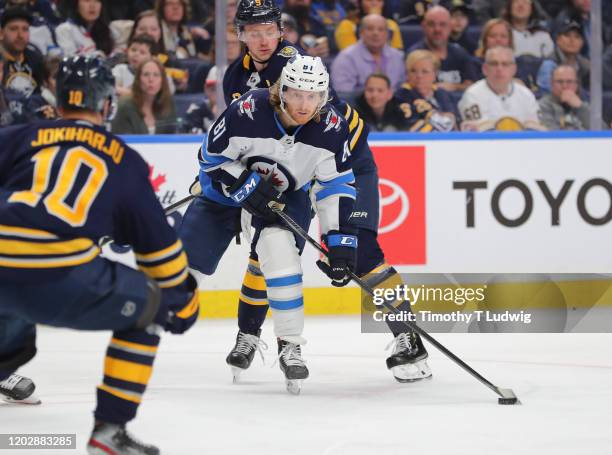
x: 65, y: 184
x: 250, y: 135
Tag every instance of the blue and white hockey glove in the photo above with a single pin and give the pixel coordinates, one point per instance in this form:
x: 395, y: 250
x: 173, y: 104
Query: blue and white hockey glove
x: 341, y: 257
x: 256, y: 195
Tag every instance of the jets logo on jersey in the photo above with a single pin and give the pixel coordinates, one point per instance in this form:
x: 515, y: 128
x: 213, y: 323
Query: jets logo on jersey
x: 287, y: 52
x: 253, y: 81
x: 247, y: 107
x: 275, y: 173
x: 332, y: 121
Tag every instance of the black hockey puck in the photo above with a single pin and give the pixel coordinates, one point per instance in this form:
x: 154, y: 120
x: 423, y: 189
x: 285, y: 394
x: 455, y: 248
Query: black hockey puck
x: 512, y: 400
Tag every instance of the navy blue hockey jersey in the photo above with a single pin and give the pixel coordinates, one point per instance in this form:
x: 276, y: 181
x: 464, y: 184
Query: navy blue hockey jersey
x: 63, y: 185
x: 249, y: 135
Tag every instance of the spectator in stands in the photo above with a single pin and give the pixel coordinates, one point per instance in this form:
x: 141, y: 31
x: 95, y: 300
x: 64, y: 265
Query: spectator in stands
x: 313, y: 34
x: 346, y: 32
x: 460, y: 19
x: 528, y: 32
x: 290, y: 32
x: 498, y: 102
x: 577, y: 11
x: 570, y: 42
x: 378, y: 107
x: 15, y: 107
x: 147, y: 23
x: 457, y: 68
x: 496, y: 32
x: 86, y: 31
x: 150, y: 109
x: 140, y: 49
x: 328, y: 12
x: 607, y: 68
x: 44, y: 21
x: 563, y: 109
x: 371, y: 54
x: 427, y: 107
x: 23, y: 67
x: 176, y: 36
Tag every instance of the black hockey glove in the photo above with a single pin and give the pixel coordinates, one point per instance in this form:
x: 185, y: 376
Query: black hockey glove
x: 256, y: 195
x: 342, y: 252
x: 179, y: 307
x: 195, y: 189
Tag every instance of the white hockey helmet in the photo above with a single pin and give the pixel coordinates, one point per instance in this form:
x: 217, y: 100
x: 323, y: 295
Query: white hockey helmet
x: 303, y: 72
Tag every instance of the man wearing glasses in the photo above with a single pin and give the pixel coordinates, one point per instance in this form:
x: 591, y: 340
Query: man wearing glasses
x: 563, y: 109
x: 499, y: 102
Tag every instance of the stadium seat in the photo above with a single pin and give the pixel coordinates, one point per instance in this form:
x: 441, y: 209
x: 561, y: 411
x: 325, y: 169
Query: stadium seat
x: 410, y: 34
x: 527, y: 67
x: 197, y: 76
x: 182, y: 102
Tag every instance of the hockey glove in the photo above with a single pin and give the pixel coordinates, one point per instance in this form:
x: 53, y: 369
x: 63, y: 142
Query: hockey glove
x: 256, y: 195
x: 180, y: 306
x: 342, y: 252
x: 195, y: 189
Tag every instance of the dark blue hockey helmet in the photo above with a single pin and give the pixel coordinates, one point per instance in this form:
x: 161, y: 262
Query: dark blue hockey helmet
x: 257, y: 12
x: 84, y: 82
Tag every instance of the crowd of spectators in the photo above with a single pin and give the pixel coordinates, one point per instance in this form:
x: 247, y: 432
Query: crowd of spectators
x: 406, y: 65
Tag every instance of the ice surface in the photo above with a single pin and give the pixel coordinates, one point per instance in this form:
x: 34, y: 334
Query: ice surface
x: 350, y: 405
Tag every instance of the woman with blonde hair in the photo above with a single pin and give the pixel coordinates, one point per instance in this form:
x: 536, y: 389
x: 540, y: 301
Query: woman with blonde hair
x: 496, y: 32
x: 428, y: 107
x: 150, y: 109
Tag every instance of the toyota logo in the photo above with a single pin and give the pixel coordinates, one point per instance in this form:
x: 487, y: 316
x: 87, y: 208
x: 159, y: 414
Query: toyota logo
x: 396, y: 194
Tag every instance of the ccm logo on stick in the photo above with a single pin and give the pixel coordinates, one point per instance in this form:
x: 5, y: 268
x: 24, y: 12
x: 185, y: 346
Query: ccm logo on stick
x: 554, y: 201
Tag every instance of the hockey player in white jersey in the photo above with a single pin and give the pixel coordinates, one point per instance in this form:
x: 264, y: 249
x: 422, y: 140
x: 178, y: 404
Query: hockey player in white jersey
x: 265, y: 150
x: 499, y: 102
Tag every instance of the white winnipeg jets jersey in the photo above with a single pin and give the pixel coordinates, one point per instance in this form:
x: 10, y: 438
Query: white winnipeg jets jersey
x: 249, y: 135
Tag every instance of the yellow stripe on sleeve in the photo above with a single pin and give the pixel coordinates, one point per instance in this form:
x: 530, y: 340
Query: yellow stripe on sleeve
x: 166, y: 269
x: 161, y: 254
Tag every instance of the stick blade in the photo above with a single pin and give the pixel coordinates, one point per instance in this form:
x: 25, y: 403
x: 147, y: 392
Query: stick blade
x: 507, y: 397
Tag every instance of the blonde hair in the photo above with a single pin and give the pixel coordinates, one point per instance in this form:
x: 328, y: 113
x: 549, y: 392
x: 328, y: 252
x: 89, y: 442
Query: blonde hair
x: 486, y: 30
x: 418, y: 55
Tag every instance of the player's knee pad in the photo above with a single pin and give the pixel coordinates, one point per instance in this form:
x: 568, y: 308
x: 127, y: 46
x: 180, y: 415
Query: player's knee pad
x: 180, y: 306
x: 280, y: 263
x: 10, y: 362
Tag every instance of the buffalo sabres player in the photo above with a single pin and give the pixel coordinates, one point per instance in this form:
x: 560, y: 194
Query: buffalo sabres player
x: 264, y: 151
x: 63, y: 185
x: 258, y: 24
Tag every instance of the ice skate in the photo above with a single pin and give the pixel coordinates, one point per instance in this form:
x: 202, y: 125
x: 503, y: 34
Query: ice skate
x: 408, y: 363
x: 292, y: 365
x: 111, y: 439
x: 18, y: 389
x: 242, y: 354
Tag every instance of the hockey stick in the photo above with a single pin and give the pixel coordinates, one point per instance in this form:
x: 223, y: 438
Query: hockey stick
x: 507, y: 396
x: 167, y: 211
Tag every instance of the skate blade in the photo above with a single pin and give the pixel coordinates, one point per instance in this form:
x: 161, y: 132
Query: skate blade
x: 294, y: 386
x: 31, y: 400
x: 411, y: 372
x: 236, y: 372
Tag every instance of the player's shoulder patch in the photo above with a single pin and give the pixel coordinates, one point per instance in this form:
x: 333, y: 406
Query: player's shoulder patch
x: 332, y: 121
x: 287, y: 52
x: 246, y: 107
